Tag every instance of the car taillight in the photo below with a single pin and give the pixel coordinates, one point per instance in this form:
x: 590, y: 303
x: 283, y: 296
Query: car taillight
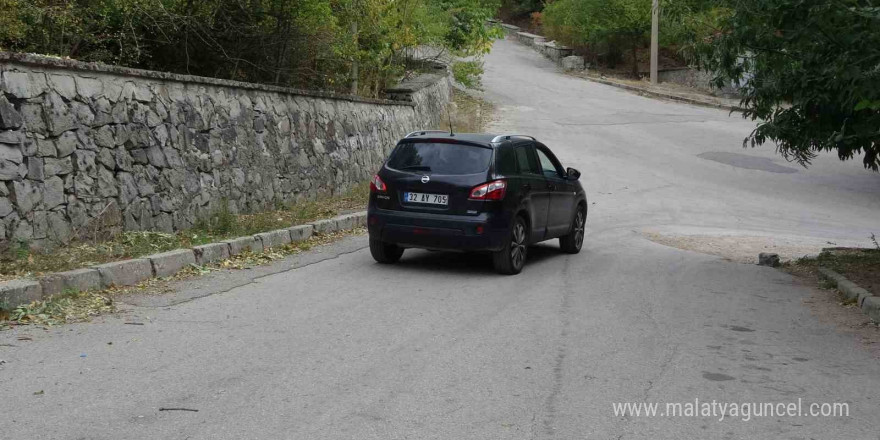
x: 489, y: 191
x: 377, y: 185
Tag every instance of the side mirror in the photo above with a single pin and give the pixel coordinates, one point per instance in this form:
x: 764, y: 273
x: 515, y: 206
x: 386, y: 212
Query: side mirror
x: 572, y: 174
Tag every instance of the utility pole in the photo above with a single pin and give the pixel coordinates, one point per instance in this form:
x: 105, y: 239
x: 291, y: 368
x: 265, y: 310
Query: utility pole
x: 354, y: 64
x: 655, y: 34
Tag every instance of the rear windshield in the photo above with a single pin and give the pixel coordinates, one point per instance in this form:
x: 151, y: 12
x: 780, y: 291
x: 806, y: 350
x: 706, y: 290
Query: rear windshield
x: 426, y: 157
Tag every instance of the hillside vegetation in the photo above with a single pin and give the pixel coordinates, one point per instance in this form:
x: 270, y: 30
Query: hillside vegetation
x: 341, y: 45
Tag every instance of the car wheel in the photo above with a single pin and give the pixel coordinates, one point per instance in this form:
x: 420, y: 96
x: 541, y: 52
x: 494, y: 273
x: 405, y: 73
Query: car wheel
x: 385, y: 253
x: 573, y: 242
x: 510, y: 259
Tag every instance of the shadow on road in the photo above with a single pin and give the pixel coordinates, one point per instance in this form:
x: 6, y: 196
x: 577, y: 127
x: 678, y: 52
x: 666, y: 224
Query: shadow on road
x: 415, y: 260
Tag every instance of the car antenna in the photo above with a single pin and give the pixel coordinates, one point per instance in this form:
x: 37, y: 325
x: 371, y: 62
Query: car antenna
x: 449, y: 118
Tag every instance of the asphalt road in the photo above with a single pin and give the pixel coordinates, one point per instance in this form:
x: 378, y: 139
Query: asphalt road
x: 330, y: 345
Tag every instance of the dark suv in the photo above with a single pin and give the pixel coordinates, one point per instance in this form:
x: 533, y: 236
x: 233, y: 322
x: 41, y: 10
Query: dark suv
x: 474, y: 192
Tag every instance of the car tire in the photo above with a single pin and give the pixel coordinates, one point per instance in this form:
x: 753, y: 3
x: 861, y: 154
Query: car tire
x: 385, y: 253
x: 573, y: 242
x: 511, y: 259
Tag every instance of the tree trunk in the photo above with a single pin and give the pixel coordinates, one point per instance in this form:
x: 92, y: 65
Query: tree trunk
x: 354, y: 62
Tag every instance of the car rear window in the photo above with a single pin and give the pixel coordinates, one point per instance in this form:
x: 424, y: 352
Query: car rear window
x: 440, y: 158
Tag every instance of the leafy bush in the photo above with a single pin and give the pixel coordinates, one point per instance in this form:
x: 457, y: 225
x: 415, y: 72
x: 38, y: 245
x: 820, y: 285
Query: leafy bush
x: 809, y: 74
x: 611, y: 27
x: 468, y: 73
x: 298, y: 43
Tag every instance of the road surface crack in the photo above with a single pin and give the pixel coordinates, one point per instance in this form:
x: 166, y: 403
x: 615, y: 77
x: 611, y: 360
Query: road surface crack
x: 552, y: 401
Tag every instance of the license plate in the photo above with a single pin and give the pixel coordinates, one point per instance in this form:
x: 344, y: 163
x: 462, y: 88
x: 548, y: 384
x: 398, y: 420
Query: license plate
x: 431, y: 199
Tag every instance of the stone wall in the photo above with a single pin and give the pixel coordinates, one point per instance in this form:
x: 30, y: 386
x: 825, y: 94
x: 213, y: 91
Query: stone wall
x: 698, y: 79
x: 85, y: 147
x: 554, y: 51
x: 550, y: 49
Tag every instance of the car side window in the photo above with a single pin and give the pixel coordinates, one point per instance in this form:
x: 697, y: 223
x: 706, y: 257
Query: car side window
x: 507, y: 161
x: 526, y: 160
x: 548, y: 167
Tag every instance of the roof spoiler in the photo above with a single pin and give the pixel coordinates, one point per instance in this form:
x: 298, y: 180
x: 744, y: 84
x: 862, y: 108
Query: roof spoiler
x: 422, y: 132
x: 505, y: 137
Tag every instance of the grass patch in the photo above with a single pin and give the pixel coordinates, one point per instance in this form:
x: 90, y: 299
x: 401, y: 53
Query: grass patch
x: 63, y: 308
x: 74, y: 306
x: 861, y: 266
x: 20, y: 262
x: 472, y: 114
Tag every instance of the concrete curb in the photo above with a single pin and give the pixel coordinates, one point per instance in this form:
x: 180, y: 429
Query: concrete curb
x: 208, y: 253
x: 871, y: 307
x: 14, y: 293
x: 300, y: 233
x: 866, y: 301
x: 244, y: 244
x: 77, y: 279
x: 125, y: 273
x: 327, y: 226
x: 169, y: 263
x: 655, y: 94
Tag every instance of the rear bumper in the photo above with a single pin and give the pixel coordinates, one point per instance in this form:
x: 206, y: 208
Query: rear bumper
x: 439, y: 231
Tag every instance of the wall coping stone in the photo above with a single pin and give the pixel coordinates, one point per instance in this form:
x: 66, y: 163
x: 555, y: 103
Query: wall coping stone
x: 70, y: 64
x: 528, y: 35
x: 415, y: 84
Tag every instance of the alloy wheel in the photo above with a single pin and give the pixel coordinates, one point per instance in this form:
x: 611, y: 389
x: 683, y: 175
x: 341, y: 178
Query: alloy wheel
x: 518, y: 245
x: 579, y: 223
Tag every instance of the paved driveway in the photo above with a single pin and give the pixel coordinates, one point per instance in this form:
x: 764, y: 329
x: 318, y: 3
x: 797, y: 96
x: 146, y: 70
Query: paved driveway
x: 330, y: 345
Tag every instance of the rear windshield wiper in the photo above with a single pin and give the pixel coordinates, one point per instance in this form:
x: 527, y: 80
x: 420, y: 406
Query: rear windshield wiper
x: 417, y: 168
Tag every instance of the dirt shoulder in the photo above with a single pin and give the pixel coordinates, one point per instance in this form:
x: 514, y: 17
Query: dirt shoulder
x: 861, y: 266
x: 663, y: 90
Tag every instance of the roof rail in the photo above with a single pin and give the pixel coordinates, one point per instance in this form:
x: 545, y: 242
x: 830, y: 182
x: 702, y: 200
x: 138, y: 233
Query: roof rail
x: 502, y: 137
x: 421, y: 132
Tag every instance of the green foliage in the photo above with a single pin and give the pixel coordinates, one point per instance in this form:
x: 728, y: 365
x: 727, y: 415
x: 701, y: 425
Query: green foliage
x: 467, y: 33
x: 611, y: 26
x: 220, y: 222
x: 810, y: 75
x: 686, y: 21
x: 12, y: 28
x: 520, y: 8
x: 298, y: 43
x: 468, y: 73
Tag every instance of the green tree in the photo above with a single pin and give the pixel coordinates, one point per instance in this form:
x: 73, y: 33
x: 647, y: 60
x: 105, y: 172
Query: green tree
x: 325, y: 44
x: 610, y: 25
x: 520, y: 8
x: 810, y: 74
